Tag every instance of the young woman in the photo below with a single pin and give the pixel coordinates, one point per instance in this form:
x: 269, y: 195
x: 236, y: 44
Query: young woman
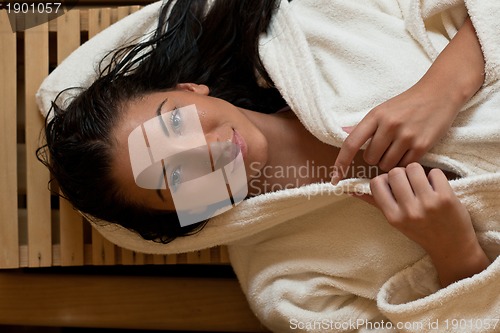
x: 208, y: 56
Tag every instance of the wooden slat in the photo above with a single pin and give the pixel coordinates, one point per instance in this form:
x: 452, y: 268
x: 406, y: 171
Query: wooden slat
x: 199, y: 257
x: 131, y: 258
x: 71, y: 222
x: 171, y: 259
x: 68, y: 34
x: 103, y: 251
x: 126, y: 10
x: 99, y: 19
x: 138, y: 302
x: 36, y: 45
x: 9, y: 239
x: 126, y: 257
x: 121, y: 12
x: 224, y: 255
x: 139, y: 258
x: 158, y: 260
x: 84, y: 20
x: 71, y: 232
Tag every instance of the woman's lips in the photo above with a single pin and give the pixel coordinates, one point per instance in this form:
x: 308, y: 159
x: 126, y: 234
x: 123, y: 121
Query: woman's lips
x: 223, y: 153
x: 240, y: 142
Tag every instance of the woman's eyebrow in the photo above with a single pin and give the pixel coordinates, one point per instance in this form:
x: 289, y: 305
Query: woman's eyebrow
x: 158, y: 113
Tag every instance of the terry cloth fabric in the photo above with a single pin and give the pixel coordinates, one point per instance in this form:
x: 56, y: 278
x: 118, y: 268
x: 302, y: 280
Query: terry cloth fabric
x: 312, y: 258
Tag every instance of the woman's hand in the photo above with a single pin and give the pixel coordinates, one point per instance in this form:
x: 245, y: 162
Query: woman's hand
x: 404, y: 128
x: 401, y: 129
x: 427, y: 211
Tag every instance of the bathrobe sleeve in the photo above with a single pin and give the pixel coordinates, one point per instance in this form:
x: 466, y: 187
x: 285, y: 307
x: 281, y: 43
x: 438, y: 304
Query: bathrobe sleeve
x: 413, y: 297
x: 485, y: 16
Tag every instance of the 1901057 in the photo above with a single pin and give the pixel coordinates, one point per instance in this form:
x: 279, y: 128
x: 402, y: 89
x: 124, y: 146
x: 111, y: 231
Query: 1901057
x: 14, y: 7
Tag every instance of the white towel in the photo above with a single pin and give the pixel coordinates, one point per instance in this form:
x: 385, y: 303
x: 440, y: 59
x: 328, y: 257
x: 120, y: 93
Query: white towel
x: 312, y: 258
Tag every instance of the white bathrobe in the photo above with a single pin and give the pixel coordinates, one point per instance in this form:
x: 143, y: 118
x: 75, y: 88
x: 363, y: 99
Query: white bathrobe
x: 313, y: 258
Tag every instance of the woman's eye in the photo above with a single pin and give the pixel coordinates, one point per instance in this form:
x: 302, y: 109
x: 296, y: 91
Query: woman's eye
x: 176, y: 121
x: 175, y: 178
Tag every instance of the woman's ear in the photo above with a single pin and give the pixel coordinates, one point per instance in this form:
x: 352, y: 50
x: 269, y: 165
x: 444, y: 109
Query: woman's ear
x: 194, y: 87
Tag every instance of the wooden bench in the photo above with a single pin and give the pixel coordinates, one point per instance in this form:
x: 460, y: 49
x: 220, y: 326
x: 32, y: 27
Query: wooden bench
x: 42, y: 237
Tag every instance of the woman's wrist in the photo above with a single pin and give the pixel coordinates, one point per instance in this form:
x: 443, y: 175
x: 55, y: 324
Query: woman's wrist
x: 459, y: 263
x: 469, y: 63
x: 458, y: 72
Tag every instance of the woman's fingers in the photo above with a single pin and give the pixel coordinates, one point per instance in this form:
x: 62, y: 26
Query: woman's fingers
x: 418, y: 180
x: 438, y: 181
x: 383, y: 197
x: 401, y: 192
x: 393, y: 156
x: 401, y: 187
x: 352, y: 144
x: 377, y: 147
x: 411, y: 156
x: 393, y: 145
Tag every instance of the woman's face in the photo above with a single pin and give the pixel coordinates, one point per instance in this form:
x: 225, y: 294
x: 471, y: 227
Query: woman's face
x: 220, y: 122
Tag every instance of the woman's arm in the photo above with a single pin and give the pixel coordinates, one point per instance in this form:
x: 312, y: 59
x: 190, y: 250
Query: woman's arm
x: 426, y: 210
x: 405, y: 127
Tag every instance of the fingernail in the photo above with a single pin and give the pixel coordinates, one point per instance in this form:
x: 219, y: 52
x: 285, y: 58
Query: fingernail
x: 335, y: 178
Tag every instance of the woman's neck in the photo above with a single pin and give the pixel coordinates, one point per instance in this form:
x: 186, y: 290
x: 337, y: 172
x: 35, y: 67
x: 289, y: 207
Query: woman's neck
x: 296, y: 157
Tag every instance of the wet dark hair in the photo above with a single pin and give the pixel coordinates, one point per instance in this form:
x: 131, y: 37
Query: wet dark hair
x: 219, y: 49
